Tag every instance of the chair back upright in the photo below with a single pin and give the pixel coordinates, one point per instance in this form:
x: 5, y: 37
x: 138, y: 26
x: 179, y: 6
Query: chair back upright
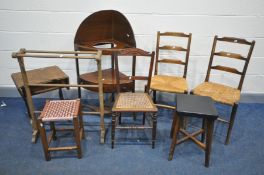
x: 136, y: 54
x: 175, y: 48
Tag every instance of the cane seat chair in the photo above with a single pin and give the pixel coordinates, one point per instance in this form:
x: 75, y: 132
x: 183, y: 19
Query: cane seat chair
x: 134, y: 102
x: 59, y: 111
x: 168, y: 83
x: 221, y: 92
x: 109, y: 31
x: 45, y: 75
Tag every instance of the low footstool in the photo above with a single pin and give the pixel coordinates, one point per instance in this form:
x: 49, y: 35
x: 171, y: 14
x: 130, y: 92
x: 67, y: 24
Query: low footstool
x: 57, y: 111
x: 199, y: 107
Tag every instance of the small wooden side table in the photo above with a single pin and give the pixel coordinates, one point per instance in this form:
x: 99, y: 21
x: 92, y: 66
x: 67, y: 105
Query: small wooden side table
x: 46, y: 75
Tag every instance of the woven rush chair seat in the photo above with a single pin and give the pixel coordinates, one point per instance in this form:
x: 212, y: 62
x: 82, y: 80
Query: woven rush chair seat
x: 61, y: 110
x: 172, y: 48
x: 218, y: 92
x: 134, y: 102
x: 58, y: 110
x: 167, y: 83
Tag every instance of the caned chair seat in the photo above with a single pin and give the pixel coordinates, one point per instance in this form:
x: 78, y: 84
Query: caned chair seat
x: 218, y: 92
x: 137, y: 102
x: 58, y: 110
x: 134, y: 102
x: 167, y: 83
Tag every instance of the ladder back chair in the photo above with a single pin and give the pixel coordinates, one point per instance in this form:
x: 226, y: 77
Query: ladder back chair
x: 134, y: 102
x: 220, y: 92
x: 169, y: 83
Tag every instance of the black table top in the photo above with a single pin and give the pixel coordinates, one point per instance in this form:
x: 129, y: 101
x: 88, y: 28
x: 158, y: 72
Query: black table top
x: 196, y: 106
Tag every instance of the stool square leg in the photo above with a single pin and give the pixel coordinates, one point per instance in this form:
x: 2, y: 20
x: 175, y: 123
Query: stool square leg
x: 209, y: 138
x: 77, y: 137
x: 44, y: 141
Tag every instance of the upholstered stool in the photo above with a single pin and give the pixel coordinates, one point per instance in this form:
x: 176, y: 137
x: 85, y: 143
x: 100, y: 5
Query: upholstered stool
x: 194, y: 106
x: 61, y: 110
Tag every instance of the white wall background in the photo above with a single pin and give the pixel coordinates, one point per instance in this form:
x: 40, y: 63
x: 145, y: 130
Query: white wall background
x: 51, y: 25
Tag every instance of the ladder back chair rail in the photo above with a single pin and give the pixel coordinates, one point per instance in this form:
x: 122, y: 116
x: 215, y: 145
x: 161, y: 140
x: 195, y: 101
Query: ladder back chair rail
x: 173, y: 48
x: 237, y: 56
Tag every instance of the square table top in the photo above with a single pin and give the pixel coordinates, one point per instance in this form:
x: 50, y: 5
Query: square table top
x: 196, y: 106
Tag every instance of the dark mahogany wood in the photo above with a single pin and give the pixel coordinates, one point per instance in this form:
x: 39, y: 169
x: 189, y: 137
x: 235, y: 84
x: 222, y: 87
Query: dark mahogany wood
x: 109, y: 31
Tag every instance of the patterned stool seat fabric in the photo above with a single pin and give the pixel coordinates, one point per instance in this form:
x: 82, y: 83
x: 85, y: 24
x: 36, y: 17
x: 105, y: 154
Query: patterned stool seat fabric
x: 58, y: 110
x: 218, y: 92
x: 131, y: 102
x: 169, y: 84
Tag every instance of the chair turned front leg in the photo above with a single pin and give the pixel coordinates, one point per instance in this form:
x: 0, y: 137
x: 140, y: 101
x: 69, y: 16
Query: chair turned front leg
x: 114, y: 115
x: 174, y: 134
x: 154, y: 129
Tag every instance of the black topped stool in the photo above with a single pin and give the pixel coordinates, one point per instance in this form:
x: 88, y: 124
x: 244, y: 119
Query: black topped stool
x: 194, y: 106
